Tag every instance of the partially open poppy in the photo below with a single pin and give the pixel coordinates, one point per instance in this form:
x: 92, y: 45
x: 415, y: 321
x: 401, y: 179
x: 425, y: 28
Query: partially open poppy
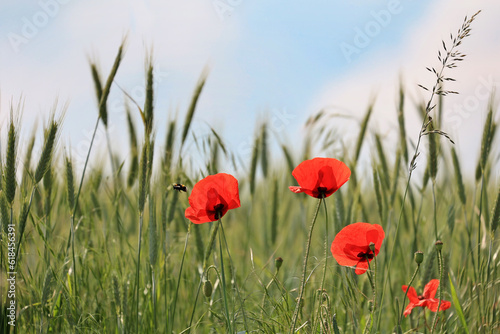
x: 351, y: 246
x: 212, y: 197
x: 425, y: 300
x: 320, y: 177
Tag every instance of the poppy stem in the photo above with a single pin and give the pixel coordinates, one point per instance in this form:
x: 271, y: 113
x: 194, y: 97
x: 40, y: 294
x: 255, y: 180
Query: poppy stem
x: 208, y: 252
x: 372, y: 278
x: 304, y: 270
x: 440, y: 260
x: 233, y: 278
x: 326, y: 247
x: 226, y: 307
x: 400, y: 319
x: 326, y: 260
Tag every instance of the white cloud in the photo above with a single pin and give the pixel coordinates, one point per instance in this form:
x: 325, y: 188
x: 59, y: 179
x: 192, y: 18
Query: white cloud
x: 379, y: 75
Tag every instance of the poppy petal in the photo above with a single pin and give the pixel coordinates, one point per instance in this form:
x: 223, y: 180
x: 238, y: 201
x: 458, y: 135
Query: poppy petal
x: 412, y: 294
x: 431, y: 289
x: 432, y: 304
x: 348, y: 244
x: 361, y: 267
x: 408, y: 309
x: 192, y: 215
x: 214, y: 194
x: 327, y: 173
x: 296, y: 190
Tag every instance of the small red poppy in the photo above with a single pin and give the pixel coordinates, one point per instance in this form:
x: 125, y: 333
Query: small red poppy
x: 320, y: 177
x: 351, y: 246
x: 212, y: 197
x: 425, y: 300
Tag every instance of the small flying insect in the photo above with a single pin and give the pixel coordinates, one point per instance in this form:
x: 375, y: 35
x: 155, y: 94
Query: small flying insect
x: 179, y: 187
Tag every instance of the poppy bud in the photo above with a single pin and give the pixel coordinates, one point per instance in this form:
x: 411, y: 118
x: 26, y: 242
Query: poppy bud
x: 419, y: 257
x: 207, y: 288
x: 439, y: 245
x: 278, y: 262
x: 372, y: 247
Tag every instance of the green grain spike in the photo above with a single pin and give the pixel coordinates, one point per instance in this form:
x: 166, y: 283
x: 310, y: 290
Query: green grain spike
x: 362, y: 132
x: 103, y: 113
x: 143, y: 173
x: 264, y: 150
x: 485, y: 145
x: 458, y: 176
x: 148, y: 104
x: 134, y: 162
x: 192, y: 105
x: 495, y: 217
x: 48, y: 148
x: 70, y: 185
x: 10, y: 165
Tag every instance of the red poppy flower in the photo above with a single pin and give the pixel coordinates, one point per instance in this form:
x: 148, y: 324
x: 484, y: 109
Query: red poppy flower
x: 425, y: 300
x: 212, y: 197
x: 320, y: 177
x: 351, y: 246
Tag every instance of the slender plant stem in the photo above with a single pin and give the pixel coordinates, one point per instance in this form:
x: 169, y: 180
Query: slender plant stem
x: 468, y: 228
x: 194, y: 304
x: 226, y: 307
x: 440, y: 260
x: 153, y: 295
x: 479, y: 226
x: 412, y: 166
x: 141, y: 219
x: 234, y: 279
x: 372, y: 278
x: 73, y: 251
x: 174, y: 303
x: 326, y: 261
x: 434, y: 203
x: 304, y: 269
x: 406, y: 293
x: 326, y: 248
x: 208, y: 251
x: 71, y: 238
x: 266, y: 292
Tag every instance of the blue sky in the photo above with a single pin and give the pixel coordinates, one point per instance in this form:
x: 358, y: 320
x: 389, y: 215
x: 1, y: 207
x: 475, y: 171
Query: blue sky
x: 266, y: 58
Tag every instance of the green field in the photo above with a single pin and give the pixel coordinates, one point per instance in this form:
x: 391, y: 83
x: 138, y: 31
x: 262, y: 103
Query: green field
x: 108, y: 249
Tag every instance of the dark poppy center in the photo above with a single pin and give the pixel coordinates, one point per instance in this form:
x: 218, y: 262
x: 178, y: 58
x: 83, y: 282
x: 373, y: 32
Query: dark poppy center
x: 322, y: 191
x: 364, y: 256
x: 218, y: 210
x: 420, y: 297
